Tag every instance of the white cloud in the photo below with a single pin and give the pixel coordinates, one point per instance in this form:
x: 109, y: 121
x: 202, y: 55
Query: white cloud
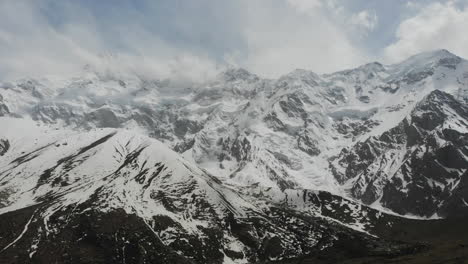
x: 281, y: 39
x: 305, y: 6
x: 435, y: 26
x: 365, y: 20
x: 412, y: 5
x: 275, y: 37
x: 30, y: 47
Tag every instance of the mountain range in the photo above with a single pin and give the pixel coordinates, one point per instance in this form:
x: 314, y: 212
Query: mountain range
x: 110, y: 167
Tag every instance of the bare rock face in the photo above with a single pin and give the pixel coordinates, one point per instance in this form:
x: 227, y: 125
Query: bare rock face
x: 3, y: 108
x: 308, y: 145
x: 416, y: 166
x: 4, y: 146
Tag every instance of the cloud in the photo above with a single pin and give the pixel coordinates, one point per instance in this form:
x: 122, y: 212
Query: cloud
x: 32, y: 46
x: 435, y: 26
x: 305, y: 6
x: 365, y: 20
x: 296, y: 34
x: 413, y: 5
x: 163, y: 39
x: 27, y: 45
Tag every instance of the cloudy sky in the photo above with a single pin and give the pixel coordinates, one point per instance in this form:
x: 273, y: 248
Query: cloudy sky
x: 196, y: 38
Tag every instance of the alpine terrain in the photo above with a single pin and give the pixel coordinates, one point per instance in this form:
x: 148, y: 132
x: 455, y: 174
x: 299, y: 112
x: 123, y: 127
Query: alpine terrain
x: 367, y: 165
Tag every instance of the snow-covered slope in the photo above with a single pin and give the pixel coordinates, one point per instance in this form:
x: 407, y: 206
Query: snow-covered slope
x: 418, y: 166
x: 63, y: 179
x: 248, y: 131
x: 239, y: 169
x: 71, y: 166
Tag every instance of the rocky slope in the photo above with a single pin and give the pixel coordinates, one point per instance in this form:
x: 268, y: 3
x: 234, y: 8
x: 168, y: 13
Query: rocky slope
x: 419, y: 166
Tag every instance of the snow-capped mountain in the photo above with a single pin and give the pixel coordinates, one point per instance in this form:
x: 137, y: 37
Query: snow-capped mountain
x: 237, y: 169
x: 245, y: 129
x: 97, y: 188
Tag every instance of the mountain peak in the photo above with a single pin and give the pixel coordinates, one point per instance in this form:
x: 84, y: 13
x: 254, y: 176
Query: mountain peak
x: 435, y: 108
x: 302, y: 74
x: 371, y: 67
x: 438, y: 96
x: 374, y: 66
x: 233, y: 74
x: 435, y: 54
x: 443, y: 52
x: 441, y: 57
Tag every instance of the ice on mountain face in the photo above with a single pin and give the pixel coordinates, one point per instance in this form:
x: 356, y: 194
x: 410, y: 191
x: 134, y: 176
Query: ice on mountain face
x: 59, y: 166
x: 259, y: 170
x: 111, y: 169
x: 353, y: 114
x: 108, y: 176
x: 244, y: 129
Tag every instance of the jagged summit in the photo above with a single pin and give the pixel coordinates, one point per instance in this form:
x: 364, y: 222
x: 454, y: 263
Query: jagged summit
x: 438, y: 98
x: 432, y: 55
x: 373, y: 66
x: 234, y: 74
x: 302, y: 72
x: 430, y: 59
x: 291, y: 80
x: 437, y: 108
